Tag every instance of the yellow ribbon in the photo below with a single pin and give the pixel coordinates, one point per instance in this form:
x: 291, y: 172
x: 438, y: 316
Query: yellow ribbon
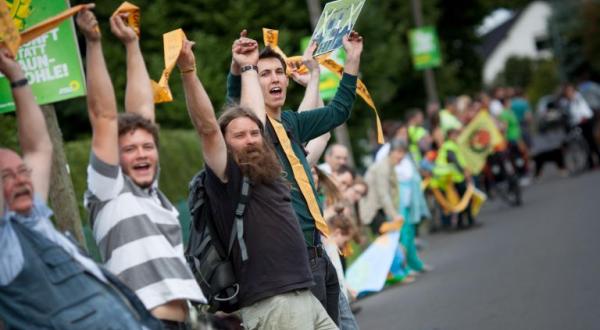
x: 173, y: 43
x: 9, y: 32
x: 133, y: 19
x: 271, y: 39
x: 450, y: 203
x: 300, y: 176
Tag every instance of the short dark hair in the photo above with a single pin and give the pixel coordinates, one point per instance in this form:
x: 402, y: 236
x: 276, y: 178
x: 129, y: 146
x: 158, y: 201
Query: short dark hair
x: 268, y: 52
x: 345, y: 169
x: 129, y: 122
x: 237, y: 111
x: 412, y: 113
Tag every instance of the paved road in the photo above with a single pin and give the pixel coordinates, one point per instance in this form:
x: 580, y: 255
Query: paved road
x: 534, y: 267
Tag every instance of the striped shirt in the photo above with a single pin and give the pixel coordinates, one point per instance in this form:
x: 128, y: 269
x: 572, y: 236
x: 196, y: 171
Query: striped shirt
x: 139, y: 236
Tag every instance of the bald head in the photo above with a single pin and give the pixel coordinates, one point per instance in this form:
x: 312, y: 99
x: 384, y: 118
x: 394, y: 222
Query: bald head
x: 17, y: 187
x: 336, y: 156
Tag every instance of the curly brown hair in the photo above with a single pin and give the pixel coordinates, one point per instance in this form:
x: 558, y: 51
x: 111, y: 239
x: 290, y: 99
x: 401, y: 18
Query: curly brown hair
x: 129, y: 122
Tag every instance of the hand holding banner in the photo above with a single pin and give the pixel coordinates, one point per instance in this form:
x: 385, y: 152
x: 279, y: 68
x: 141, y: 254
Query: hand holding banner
x: 271, y: 38
x: 173, y: 43
x: 133, y: 15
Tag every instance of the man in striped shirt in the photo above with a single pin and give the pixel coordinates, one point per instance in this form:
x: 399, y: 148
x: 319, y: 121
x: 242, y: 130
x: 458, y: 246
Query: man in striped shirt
x: 134, y: 224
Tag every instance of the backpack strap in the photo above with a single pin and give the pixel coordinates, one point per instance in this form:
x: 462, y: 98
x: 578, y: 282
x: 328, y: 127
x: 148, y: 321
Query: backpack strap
x: 238, y: 223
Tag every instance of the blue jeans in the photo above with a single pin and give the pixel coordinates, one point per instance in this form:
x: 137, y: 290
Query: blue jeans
x: 347, y: 320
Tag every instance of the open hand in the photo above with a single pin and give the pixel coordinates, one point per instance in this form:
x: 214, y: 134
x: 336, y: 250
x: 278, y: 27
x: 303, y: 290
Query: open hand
x: 121, y: 30
x: 310, y: 63
x: 88, y: 24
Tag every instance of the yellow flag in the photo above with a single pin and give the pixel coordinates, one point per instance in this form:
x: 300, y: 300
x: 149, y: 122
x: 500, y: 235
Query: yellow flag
x: 133, y: 19
x: 173, y: 43
x: 9, y: 33
x: 478, y: 140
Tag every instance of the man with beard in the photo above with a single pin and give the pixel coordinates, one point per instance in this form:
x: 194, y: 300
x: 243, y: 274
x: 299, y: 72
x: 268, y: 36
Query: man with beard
x: 288, y: 130
x: 45, y: 281
x: 275, y: 278
x: 135, y: 226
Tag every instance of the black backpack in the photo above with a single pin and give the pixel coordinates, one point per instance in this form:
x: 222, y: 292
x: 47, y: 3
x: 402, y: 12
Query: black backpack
x: 205, y: 253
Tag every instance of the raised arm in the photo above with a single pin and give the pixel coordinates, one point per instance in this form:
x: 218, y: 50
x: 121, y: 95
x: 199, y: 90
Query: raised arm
x: 245, y: 53
x: 33, y: 135
x: 139, y: 97
x: 312, y: 97
x: 202, y: 113
x: 353, y: 45
x: 101, y: 102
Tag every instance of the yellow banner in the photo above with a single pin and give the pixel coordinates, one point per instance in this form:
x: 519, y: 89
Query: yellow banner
x: 133, y: 19
x: 271, y: 39
x: 9, y: 33
x: 173, y: 43
x: 478, y: 140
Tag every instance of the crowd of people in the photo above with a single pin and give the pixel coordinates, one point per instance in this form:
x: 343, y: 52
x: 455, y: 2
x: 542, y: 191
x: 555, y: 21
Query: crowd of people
x: 290, y: 241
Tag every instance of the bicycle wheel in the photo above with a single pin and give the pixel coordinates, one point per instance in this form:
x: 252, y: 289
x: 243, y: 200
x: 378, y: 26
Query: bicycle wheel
x: 576, y: 153
x: 510, y: 190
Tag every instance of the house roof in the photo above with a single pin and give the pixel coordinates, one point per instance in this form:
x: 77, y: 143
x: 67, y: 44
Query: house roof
x: 493, y: 38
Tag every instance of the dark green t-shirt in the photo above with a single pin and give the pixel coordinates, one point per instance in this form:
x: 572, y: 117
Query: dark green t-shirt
x: 301, y: 128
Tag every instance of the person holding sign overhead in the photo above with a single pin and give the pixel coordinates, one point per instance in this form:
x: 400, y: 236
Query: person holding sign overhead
x: 289, y: 130
x: 135, y: 226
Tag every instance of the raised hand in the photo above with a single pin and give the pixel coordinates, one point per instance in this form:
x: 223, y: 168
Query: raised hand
x: 186, y: 60
x: 311, y: 64
x: 353, y: 44
x: 88, y: 24
x: 119, y: 27
x: 244, y: 50
x: 9, y: 67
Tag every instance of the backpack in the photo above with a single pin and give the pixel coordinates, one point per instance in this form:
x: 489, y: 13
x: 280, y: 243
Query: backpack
x: 206, y: 254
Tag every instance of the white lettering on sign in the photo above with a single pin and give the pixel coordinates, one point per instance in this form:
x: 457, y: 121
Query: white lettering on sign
x: 36, y: 63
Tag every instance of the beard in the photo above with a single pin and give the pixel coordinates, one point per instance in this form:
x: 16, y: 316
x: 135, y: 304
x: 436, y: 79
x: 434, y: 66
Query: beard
x: 259, y: 163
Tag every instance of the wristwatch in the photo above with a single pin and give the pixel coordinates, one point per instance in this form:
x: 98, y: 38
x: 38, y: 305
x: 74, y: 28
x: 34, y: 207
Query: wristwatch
x: 19, y: 83
x: 248, y: 67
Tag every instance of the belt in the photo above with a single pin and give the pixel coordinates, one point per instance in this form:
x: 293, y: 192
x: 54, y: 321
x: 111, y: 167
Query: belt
x: 315, y: 251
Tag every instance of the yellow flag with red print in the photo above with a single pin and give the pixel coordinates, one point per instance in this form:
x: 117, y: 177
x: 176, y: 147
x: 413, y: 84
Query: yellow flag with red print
x: 478, y: 140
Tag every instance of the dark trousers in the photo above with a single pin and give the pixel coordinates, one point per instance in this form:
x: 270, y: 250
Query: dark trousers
x: 554, y: 155
x: 587, y: 130
x: 326, y: 288
x: 461, y: 188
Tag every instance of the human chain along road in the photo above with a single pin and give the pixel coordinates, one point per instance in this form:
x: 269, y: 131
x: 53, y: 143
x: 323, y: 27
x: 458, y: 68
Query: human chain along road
x: 533, y: 267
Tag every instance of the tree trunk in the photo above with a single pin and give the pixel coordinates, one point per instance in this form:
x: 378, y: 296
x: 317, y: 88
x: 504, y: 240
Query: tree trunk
x: 62, y: 195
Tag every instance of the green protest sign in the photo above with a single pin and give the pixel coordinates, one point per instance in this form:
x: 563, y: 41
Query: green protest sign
x: 336, y: 21
x: 425, y: 48
x: 51, y: 62
x: 328, y: 81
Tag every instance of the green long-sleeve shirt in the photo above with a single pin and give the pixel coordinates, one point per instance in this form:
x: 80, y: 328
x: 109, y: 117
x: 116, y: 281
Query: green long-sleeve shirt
x: 301, y: 128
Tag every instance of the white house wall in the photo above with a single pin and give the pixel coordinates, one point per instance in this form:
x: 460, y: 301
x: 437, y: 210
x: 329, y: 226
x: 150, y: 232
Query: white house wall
x: 520, y: 40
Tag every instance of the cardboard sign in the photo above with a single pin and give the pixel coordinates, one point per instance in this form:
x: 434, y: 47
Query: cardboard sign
x: 336, y: 21
x: 51, y: 62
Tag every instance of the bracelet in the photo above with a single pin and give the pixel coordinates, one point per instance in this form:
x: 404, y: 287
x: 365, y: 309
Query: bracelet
x: 248, y: 68
x: 188, y: 70
x: 19, y: 83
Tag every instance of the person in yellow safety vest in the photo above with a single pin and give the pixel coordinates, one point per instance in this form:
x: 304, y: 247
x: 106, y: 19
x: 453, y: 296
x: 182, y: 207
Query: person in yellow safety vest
x: 448, y: 119
x: 450, y: 168
x: 416, y: 133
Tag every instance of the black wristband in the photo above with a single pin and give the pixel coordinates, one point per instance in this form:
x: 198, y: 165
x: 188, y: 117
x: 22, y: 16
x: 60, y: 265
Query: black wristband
x: 19, y: 83
x: 248, y: 67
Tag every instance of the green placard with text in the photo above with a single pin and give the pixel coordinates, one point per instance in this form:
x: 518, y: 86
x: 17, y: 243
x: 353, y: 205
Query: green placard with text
x: 425, y: 48
x: 52, y: 62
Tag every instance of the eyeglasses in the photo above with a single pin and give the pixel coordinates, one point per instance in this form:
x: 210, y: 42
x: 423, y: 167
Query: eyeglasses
x: 24, y: 172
